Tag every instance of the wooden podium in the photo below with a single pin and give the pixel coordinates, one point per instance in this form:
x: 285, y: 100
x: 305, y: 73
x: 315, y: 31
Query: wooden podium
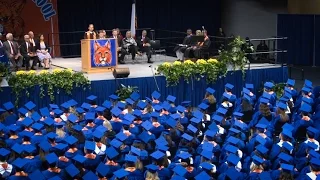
x: 99, y: 55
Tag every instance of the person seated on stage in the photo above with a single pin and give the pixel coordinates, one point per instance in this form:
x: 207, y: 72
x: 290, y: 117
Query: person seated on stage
x: 90, y: 34
x: 33, y: 46
x: 116, y: 36
x: 129, y: 45
x: 119, y: 33
x: 42, y: 52
x: 181, y: 48
x: 144, y: 45
x: 262, y: 47
x: 199, y: 48
x: 12, y: 51
x: 27, y: 53
x: 102, y: 34
x: 2, y: 51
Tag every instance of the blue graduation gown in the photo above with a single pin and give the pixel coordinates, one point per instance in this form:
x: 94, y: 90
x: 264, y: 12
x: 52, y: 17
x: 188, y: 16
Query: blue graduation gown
x: 17, y: 178
x: 113, y: 169
x: 92, y: 163
x: 48, y: 174
x: 11, y: 119
x: 70, y: 155
x: 63, y: 165
x: 136, y: 175
x: 11, y: 142
x: 36, y: 139
x: 145, y: 117
x: 192, y: 174
x: 301, y: 124
x: 116, y: 126
x: 238, y: 175
x: 301, y: 163
x: 164, y: 174
x: 32, y: 164
x: 157, y: 130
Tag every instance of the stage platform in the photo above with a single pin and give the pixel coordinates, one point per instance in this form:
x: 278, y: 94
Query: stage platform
x: 139, y: 68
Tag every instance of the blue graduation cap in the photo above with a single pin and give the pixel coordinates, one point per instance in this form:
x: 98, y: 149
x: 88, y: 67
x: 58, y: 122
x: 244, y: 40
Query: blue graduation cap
x: 157, y: 108
x: 57, y: 112
x: 268, y: 85
x: 66, y: 105
x: 246, y: 91
x: 233, y: 159
x: 13, y: 128
x: 314, y: 154
x: 175, y: 116
x: 308, y: 83
x: 103, y: 169
x: 52, y: 158
x: 179, y: 170
x: 238, y: 115
x: 55, y: 178
x: 249, y: 86
x: 282, y: 106
x: 231, y: 149
x: 257, y: 160
x: 26, y: 134
x: 229, y: 87
x: 129, y: 101
x: 186, y: 103
x: 53, y: 106
x: 207, y: 154
x: 92, y: 97
x: 312, y: 130
x: 181, y: 109
x: 101, y: 128
x: 306, y: 108
x: 72, y: 170
x: 171, y: 122
x: 30, y: 105
x: 77, y: 128
x: 307, y: 100
x: 22, y: 111
x: 155, y: 115
x: 145, y: 136
x: 45, y: 146
x: 157, y: 155
x: 36, y: 175
x: 264, y: 101
x: 203, y: 175
x: 210, y: 90
x: 148, y: 100
x: 4, y: 152
x: 262, y: 149
x: 161, y: 141
x: 247, y: 98
x: 197, y: 114
x: 210, y: 133
x: 156, y: 95
x: 97, y: 134
x: 192, y: 128
x: 135, y: 96
x: 233, y: 140
x: 121, y: 136
x: 35, y: 116
x: 114, y: 97
x: 171, y: 98
x: 37, y: 126
x: 129, y: 117
x: 206, y: 165
x: 217, y: 118
x: 8, y: 106
x: 130, y: 158
x: 19, y: 163
x: 207, y: 146
x: 222, y: 111
x: 89, y: 145
x: 176, y: 177
x: 100, y: 109
x: 291, y: 82
x: 121, y: 173
x: 27, y: 122
x: 285, y: 157
x: 315, y: 162
x: 312, y: 145
x: 203, y: 106
x: 187, y: 137
x: 80, y: 110
x: 287, y: 167
x: 226, y: 95
x: 261, y: 126
x: 261, y: 140
x: 184, y: 155
x: 61, y: 147
x: 90, y: 176
x: 111, y: 152
x: 306, y: 90
x: 137, y: 113
x: 51, y: 135
x: 141, y: 105
x: 287, y: 127
x: 147, y: 125
x: 72, y: 102
x: 266, y: 95
x: 72, y: 118
x: 152, y: 168
x: 71, y: 140
x: 116, y: 111
x: 121, y: 105
x: 90, y: 116
x: 107, y: 104
x: 166, y: 106
x: 287, y: 146
x: 236, y: 131
x: 86, y: 106
x: 115, y: 143
x: 45, y: 112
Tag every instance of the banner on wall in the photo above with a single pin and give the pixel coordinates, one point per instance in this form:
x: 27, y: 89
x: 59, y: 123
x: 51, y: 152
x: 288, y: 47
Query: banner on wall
x: 103, y: 53
x: 40, y: 16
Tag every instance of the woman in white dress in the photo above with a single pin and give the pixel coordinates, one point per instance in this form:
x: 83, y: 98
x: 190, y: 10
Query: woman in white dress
x: 42, y: 52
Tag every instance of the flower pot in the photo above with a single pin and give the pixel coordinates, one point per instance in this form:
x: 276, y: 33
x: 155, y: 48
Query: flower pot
x: 4, y: 82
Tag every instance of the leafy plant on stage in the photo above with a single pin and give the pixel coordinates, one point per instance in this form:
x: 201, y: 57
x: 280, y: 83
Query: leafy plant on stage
x: 172, y: 71
x: 48, y: 82
x: 213, y: 70
x: 189, y: 70
x: 234, y: 55
x: 124, y: 92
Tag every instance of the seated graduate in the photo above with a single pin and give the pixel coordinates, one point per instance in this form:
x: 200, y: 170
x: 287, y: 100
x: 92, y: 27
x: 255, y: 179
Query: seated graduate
x: 19, y: 172
x: 53, y: 170
x: 144, y: 45
x: 302, y: 123
x: 129, y: 45
x: 210, y: 100
x: 9, y: 116
x: 315, y: 170
x: 185, y: 44
x: 197, y: 50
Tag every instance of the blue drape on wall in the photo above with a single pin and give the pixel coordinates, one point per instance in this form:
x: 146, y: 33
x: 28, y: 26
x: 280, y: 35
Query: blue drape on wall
x: 183, y: 91
x: 300, y: 32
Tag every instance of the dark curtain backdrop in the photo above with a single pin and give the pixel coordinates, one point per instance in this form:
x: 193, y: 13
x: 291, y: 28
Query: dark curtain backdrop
x: 317, y: 40
x: 177, y: 15
x: 183, y: 91
x: 300, y: 32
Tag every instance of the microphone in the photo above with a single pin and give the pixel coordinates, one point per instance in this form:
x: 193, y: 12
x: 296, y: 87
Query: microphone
x: 154, y: 77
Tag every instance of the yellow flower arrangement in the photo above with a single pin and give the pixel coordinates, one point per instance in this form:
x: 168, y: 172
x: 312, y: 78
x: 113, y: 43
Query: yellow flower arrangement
x: 177, y: 63
x: 188, y: 62
x: 44, y: 72
x: 57, y: 71
x: 32, y: 72
x: 201, y: 61
x: 20, y: 72
x: 166, y: 64
x: 212, y: 61
x: 69, y: 70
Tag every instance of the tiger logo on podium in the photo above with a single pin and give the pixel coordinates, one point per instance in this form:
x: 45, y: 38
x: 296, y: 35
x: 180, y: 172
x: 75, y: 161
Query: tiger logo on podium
x: 102, y: 54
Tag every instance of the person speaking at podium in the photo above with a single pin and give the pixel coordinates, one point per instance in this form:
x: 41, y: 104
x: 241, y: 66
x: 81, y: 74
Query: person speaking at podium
x: 90, y: 34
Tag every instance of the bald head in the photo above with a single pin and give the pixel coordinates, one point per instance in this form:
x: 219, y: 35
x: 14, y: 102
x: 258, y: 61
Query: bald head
x: 9, y: 36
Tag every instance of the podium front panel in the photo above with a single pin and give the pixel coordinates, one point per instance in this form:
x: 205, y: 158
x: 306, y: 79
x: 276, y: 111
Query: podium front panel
x: 103, y: 53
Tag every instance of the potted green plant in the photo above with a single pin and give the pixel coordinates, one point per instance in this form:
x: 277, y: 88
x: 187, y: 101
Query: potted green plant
x: 124, y: 92
x: 4, y: 72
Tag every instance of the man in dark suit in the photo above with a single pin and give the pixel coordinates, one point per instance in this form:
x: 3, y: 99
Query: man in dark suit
x: 144, y: 45
x: 26, y: 49
x: 116, y: 36
x: 12, y: 51
x: 129, y: 45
